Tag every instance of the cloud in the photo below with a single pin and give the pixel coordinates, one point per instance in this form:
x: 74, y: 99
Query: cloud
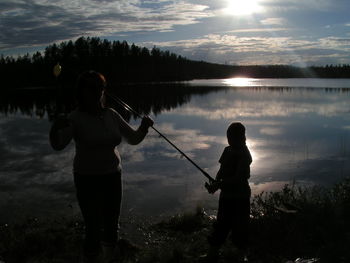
x: 336, y: 43
x: 271, y: 131
x: 40, y: 22
x: 234, y: 49
x: 273, y: 21
x: 285, y: 5
x: 257, y: 30
x: 232, y: 43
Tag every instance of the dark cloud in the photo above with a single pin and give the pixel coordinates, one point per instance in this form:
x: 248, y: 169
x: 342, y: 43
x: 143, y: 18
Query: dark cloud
x: 33, y: 24
x: 28, y: 23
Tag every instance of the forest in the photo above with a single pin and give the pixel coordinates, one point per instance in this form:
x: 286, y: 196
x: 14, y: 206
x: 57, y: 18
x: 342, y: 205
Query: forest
x: 124, y: 63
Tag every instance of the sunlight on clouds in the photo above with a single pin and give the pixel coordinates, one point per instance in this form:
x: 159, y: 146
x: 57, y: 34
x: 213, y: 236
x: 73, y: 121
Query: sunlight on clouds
x: 272, y: 21
x: 253, y: 146
x: 282, y: 5
x: 259, y: 30
x: 243, y: 50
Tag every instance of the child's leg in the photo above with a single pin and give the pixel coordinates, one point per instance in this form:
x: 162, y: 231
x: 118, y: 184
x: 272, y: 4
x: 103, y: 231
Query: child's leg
x: 222, y: 226
x: 240, y: 230
x: 221, y: 229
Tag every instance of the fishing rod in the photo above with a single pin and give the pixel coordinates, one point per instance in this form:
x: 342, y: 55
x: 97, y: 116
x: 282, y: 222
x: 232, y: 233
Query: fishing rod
x: 128, y: 108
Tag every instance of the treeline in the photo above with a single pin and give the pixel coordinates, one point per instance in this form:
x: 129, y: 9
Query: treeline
x: 285, y: 71
x: 118, y: 61
x: 122, y: 63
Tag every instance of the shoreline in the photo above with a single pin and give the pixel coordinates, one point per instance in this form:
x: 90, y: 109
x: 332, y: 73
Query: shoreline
x: 318, y: 229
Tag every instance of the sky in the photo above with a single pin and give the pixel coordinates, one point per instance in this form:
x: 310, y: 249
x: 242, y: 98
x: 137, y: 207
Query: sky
x: 236, y: 32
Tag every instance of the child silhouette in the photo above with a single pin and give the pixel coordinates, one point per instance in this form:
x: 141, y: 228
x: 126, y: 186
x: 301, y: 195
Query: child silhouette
x: 234, y: 201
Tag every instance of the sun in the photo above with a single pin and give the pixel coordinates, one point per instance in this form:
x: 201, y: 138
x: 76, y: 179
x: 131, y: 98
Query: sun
x: 242, y: 7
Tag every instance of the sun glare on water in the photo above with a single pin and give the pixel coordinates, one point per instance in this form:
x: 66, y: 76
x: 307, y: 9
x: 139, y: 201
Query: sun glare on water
x: 242, y: 7
x: 239, y: 82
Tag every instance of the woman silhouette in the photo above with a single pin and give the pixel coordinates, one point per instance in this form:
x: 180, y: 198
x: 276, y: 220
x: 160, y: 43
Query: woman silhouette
x: 96, y: 131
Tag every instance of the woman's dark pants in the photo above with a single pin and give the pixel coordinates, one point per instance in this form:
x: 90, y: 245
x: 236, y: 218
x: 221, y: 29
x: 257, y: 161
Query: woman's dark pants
x: 99, y: 197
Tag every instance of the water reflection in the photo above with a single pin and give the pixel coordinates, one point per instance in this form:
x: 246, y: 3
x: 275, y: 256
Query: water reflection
x: 144, y: 98
x: 240, y: 82
x: 280, y: 84
x: 295, y: 134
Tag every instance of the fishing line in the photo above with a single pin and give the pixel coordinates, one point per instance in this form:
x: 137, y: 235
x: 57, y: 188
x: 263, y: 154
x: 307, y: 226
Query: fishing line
x: 128, y: 108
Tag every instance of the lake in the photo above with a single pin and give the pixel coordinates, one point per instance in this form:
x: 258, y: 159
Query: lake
x: 298, y: 131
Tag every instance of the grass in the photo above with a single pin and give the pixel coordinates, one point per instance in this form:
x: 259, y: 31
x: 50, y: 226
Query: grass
x: 320, y: 228
x: 36, y: 241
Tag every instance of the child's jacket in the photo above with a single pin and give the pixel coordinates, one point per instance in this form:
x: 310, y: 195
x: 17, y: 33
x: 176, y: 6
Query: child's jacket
x: 235, y: 171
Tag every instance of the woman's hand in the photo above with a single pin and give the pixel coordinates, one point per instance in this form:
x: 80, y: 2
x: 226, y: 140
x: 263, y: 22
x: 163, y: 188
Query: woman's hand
x: 146, y: 123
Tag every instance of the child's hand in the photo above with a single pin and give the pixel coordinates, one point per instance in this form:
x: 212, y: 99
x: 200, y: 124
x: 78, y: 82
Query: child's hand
x: 212, y: 187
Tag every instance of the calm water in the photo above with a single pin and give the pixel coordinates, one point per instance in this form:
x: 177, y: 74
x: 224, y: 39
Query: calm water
x: 298, y: 130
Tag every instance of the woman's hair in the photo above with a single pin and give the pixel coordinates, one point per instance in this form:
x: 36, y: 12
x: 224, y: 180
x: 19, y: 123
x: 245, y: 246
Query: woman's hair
x: 89, y: 80
x: 236, y: 132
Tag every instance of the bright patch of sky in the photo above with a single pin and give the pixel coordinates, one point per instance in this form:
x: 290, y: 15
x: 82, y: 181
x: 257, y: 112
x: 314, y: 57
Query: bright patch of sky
x: 311, y: 32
